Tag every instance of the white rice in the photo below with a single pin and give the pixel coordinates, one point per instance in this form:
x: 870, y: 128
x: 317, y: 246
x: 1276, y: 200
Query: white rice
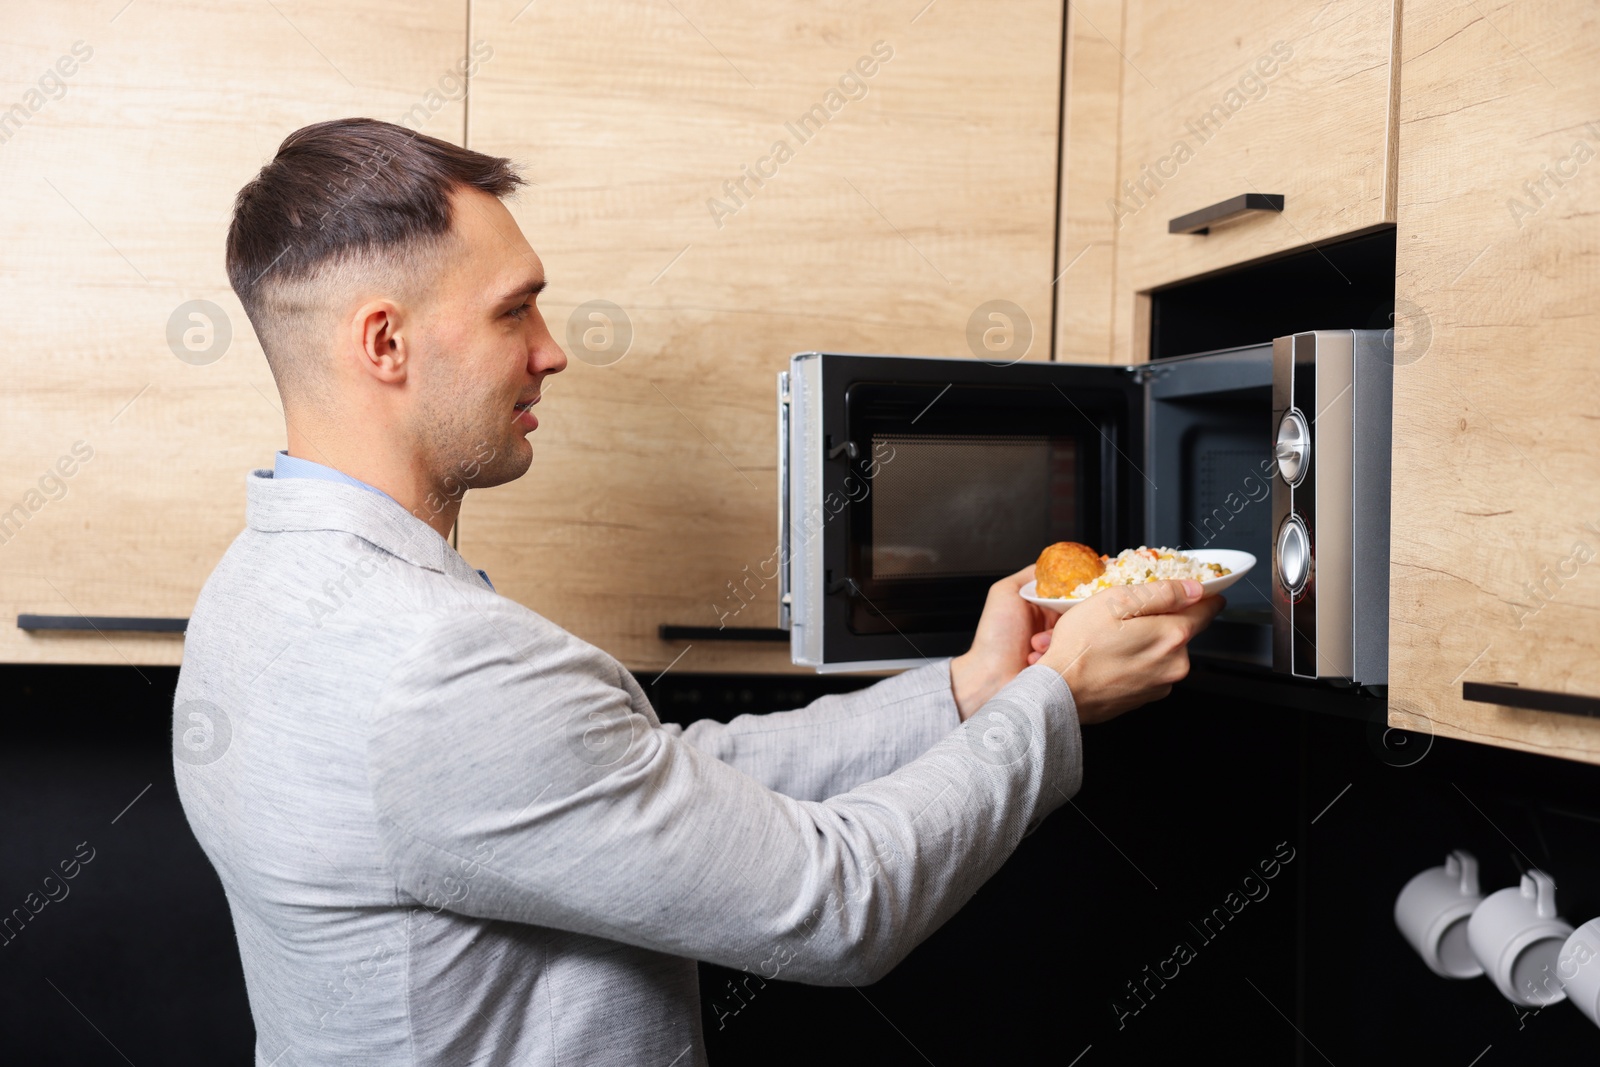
x: 1134, y: 566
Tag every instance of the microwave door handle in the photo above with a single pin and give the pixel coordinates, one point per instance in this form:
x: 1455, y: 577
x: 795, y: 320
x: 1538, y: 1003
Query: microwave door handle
x: 783, y: 501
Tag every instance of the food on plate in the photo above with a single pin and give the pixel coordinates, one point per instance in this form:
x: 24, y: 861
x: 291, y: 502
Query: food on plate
x: 1064, y: 566
x: 1134, y: 566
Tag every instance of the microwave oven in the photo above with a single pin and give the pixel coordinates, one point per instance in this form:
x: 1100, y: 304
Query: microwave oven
x: 908, y: 485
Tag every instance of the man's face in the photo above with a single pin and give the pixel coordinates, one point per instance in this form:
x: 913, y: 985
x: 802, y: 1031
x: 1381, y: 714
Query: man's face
x: 483, y: 350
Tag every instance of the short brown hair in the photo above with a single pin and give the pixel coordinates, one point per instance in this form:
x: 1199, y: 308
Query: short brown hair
x: 349, y: 193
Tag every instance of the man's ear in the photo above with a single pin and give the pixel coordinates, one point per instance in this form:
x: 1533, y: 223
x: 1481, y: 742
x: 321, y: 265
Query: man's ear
x: 380, y: 340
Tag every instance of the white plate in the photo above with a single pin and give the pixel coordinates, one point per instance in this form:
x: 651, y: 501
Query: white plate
x: 1238, y: 563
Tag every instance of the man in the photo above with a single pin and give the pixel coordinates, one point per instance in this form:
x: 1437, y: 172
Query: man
x: 451, y: 832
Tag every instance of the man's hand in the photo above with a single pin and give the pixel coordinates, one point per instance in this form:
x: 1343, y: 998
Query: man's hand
x: 1000, y: 648
x: 1125, y: 646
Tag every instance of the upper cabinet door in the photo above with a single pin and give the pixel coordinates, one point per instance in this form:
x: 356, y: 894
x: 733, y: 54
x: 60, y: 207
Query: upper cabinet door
x: 717, y: 186
x: 1239, y: 97
x: 136, y: 398
x: 1495, y: 579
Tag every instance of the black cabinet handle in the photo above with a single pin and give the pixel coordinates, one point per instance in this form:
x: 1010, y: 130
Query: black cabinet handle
x: 1512, y: 695
x: 102, y: 622
x: 670, y: 632
x: 1201, y: 221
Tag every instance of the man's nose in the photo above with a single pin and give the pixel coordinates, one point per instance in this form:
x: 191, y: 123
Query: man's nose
x: 546, y: 356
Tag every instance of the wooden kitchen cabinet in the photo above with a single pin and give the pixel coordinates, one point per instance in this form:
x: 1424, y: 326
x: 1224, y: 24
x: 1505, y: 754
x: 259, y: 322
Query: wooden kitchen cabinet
x: 1091, y: 109
x: 122, y: 466
x: 916, y: 184
x: 1495, y: 572
x: 1246, y: 97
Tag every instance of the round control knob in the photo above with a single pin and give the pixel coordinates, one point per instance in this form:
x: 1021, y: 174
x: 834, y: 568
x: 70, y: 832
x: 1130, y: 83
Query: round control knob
x: 1294, y: 554
x: 1293, y: 450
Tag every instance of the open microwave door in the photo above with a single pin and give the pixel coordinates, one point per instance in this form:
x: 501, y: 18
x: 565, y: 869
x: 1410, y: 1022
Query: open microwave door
x: 909, y: 485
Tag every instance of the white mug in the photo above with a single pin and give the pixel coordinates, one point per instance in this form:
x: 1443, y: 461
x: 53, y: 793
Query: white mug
x: 1517, y: 937
x: 1432, y: 912
x: 1579, y: 968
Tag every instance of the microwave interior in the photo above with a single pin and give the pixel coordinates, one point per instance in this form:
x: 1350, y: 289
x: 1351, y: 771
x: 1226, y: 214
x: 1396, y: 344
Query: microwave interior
x: 940, y: 476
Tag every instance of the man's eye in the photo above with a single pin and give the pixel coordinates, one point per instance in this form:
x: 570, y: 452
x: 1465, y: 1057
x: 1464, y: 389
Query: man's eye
x: 520, y: 313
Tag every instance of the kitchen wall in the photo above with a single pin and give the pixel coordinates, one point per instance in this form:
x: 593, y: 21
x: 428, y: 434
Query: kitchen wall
x: 1186, y: 806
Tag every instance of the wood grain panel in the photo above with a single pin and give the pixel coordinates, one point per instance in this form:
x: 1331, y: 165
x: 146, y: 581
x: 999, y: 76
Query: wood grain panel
x: 1247, y: 96
x: 1497, y: 388
x: 929, y: 191
x: 1086, y: 255
x: 119, y: 187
